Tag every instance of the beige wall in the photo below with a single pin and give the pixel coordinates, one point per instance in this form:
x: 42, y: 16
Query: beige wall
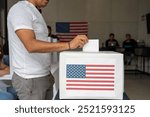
x: 104, y: 16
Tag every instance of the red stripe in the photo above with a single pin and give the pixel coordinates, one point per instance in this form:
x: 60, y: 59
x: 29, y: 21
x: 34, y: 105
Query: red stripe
x: 100, y: 65
x: 81, y: 25
x: 69, y: 35
x: 90, y: 89
x: 111, y: 81
x: 78, y: 22
x: 99, y: 77
x: 83, y: 29
x: 74, y: 31
x: 105, y: 85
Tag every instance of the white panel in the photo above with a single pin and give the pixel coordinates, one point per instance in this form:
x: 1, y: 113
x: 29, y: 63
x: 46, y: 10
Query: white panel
x: 85, y: 92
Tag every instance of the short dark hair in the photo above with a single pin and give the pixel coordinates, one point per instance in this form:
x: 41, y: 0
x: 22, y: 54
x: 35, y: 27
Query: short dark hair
x: 128, y: 34
x: 111, y: 34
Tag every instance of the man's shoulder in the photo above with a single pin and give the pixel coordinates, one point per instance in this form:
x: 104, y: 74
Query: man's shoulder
x: 16, y: 8
x: 19, y: 10
x: 19, y: 7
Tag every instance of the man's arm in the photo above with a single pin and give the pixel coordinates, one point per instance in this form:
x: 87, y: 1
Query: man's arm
x: 33, y: 45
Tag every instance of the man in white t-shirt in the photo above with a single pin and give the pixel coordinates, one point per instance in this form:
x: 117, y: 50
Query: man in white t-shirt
x: 28, y: 39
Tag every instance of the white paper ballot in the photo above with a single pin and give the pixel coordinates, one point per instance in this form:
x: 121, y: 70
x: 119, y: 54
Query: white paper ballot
x: 91, y: 46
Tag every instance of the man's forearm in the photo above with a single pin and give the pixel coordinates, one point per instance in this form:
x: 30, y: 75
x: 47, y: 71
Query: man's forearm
x: 43, y: 47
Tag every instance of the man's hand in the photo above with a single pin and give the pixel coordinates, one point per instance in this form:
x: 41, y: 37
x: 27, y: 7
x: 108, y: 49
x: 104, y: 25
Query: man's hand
x: 78, y: 42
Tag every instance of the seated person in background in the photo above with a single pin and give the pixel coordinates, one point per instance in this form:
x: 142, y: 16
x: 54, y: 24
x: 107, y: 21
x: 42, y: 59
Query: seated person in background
x: 129, y: 45
x: 111, y: 43
x: 6, y: 92
x: 9, y: 93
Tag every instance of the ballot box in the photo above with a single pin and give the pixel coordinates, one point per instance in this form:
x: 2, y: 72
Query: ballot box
x: 91, y: 75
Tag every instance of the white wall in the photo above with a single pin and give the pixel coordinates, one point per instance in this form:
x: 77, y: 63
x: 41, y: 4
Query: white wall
x: 144, y: 8
x: 104, y: 16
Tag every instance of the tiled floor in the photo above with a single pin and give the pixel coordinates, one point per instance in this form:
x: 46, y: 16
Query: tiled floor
x: 137, y: 86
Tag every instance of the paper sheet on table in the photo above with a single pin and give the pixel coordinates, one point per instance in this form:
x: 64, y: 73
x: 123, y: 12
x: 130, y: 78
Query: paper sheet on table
x: 91, y: 46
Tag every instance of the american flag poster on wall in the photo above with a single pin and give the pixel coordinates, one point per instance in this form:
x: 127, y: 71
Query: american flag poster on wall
x: 66, y: 31
x: 87, y: 75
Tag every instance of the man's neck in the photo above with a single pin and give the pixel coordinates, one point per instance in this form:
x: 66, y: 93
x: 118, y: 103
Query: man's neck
x: 33, y: 2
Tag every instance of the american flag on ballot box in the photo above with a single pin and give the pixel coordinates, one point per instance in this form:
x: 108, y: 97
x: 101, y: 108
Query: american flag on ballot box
x: 98, y: 77
x: 66, y: 31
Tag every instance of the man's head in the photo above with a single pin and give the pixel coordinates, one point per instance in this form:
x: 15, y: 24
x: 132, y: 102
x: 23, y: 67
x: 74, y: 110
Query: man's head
x: 39, y: 3
x: 128, y: 36
x: 111, y: 35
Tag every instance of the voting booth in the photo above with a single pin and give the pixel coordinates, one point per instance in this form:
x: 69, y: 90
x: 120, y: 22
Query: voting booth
x: 91, y: 75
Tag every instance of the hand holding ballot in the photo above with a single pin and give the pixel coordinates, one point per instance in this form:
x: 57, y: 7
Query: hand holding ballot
x: 78, y: 42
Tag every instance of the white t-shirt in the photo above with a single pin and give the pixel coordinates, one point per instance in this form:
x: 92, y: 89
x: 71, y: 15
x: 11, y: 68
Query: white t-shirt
x: 24, y: 15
